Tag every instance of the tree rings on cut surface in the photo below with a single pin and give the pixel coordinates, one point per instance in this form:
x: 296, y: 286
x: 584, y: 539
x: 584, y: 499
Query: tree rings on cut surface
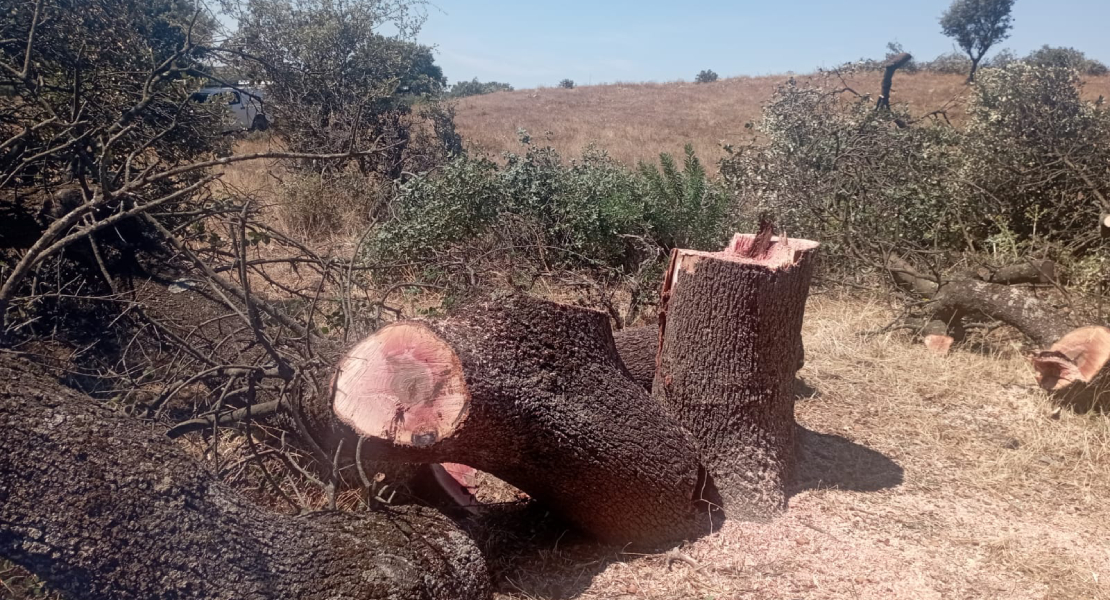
x: 1076, y: 358
x: 402, y: 384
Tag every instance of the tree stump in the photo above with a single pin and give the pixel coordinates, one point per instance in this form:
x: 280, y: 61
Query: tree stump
x: 731, y: 343
x: 534, y: 393
x: 100, y: 507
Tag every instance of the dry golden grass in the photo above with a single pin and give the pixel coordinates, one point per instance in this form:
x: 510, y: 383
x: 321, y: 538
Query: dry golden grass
x: 922, y: 477
x: 637, y: 121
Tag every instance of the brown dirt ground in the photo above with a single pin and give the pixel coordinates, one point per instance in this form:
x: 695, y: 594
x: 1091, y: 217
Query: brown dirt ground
x: 922, y: 477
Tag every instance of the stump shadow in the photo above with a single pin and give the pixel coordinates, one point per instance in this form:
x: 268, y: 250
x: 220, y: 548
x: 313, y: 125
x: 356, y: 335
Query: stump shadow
x: 804, y: 391
x: 829, y: 461
x: 533, y: 554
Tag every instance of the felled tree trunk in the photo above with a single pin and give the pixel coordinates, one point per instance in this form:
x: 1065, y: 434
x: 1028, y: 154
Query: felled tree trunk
x: 731, y: 345
x: 638, y: 348
x: 534, y: 393
x: 1071, y: 362
x: 98, y: 506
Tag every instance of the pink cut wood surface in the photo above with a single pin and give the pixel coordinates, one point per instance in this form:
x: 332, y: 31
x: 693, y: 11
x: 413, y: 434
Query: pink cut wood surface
x: 403, y: 384
x: 782, y: 252
x: 1078, y: 356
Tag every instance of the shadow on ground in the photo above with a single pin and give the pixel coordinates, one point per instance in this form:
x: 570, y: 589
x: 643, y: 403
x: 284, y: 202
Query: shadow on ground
x: 831, y: 461
x: 532, y: 554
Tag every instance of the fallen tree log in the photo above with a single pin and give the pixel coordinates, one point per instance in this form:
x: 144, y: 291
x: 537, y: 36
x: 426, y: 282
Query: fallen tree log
x: 1071, y: 360
x: 99, y: 507
x: 731, y: 344
x: 534, y: 393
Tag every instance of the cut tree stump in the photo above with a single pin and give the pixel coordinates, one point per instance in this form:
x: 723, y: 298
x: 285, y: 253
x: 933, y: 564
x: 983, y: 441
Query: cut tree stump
x: 731, y: 344
x: 534, y: 393
x: 99, y: 507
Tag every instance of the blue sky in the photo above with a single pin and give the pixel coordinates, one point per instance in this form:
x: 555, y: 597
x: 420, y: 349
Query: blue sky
x: 529, y: 43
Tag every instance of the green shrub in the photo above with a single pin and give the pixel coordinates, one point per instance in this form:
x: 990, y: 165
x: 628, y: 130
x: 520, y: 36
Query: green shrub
x: 567, y: 84
x: 434, y: 211
x: 1025, y: 175
x: 1070, y: 58
x: 706, y: 76
x: 474, y: 87
x: 684, y: 208
x: 592, y: 211
x: 1035, y: 155
x: 835, y: 169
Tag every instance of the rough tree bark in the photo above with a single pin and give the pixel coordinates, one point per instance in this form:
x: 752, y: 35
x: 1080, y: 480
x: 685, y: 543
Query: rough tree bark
x: 100, y: 507
x: 638, y: 348
x: 534, y: 393
x: 731, y: 343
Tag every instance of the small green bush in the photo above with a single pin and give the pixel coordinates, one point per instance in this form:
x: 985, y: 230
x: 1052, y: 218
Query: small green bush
x: 684, y: 208
x: 592, y: 211
x: 474, y: 87
x: 567, y: 84
x: 706, y: 76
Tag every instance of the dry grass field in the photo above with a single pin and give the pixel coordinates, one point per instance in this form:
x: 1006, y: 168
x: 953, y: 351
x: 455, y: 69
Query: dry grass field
x: 637, y: 121
x: 922, y: 477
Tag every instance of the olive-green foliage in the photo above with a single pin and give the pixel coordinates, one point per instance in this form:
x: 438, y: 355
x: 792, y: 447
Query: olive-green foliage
x: 567, y: 84
x: 1047, y: 56
x: 976, y: 25
x: 1036, y: 156
x: 686, y: 208
x: 333, y: 79
x: 1029, y: 173
x: 474, y: 87
x: 837, y: 170
x: 591, y: 211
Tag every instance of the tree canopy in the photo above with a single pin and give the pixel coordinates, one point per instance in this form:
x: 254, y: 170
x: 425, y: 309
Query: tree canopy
x: 976, y: 25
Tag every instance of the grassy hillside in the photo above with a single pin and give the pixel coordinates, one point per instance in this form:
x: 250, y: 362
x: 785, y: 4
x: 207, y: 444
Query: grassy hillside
x: 637, y: 121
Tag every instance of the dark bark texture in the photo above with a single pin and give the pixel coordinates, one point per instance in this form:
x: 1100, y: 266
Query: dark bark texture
x: 638, y: 348
x: 100, y: 506
x: 1035, y: 318
x: 554, y: 413
x: 731, y: 348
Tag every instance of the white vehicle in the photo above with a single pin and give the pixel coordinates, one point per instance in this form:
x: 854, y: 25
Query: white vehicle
x: 245, y: 104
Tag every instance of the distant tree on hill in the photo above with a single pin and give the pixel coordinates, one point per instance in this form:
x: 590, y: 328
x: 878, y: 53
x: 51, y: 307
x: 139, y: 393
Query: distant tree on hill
x: 706, y: 76
x: 474, y: 87
x: 976, y: 25
x: 567, y: 84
